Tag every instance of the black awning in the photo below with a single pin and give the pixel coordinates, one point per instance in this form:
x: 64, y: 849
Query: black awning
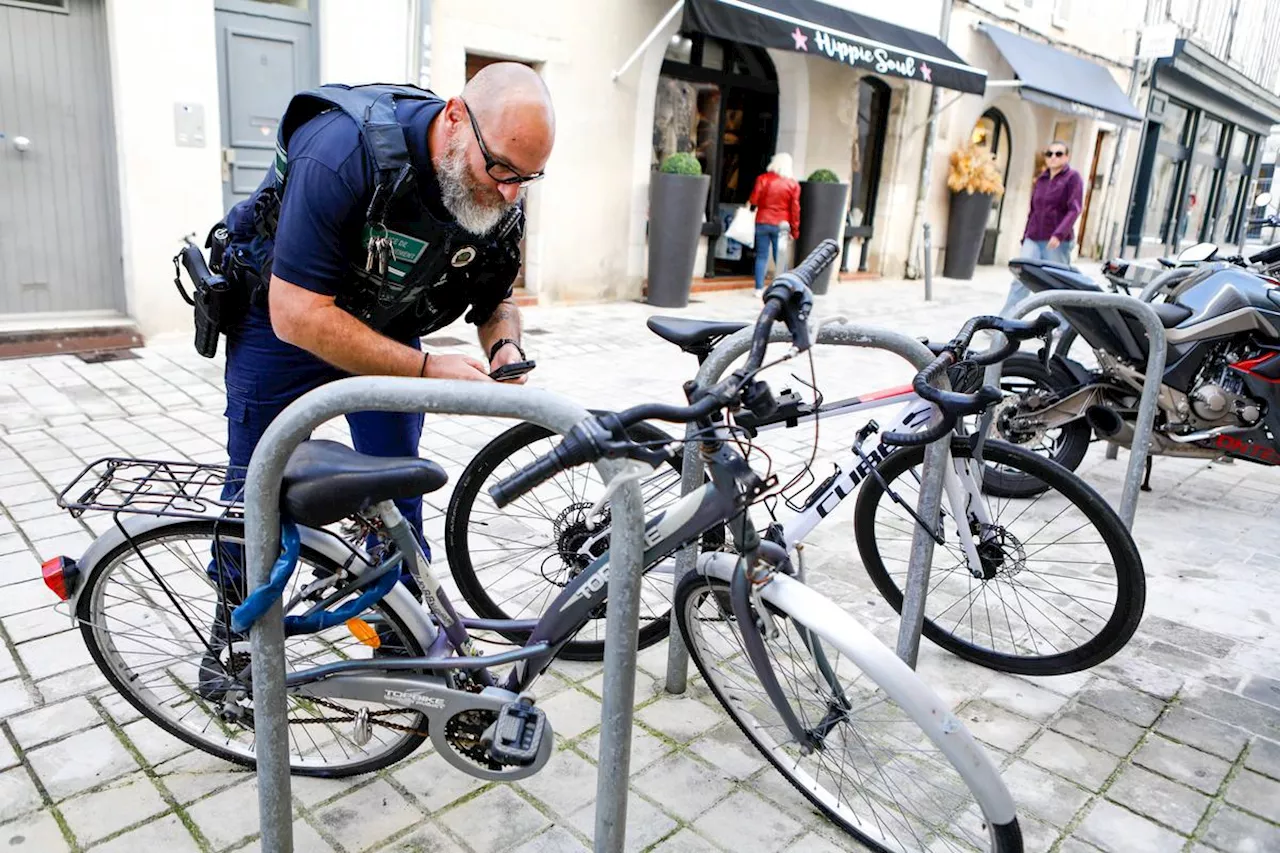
x: 1063, y: 81
x: 812, y: 27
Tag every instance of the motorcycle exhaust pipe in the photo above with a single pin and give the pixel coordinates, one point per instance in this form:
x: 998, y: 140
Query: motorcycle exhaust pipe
x: 1108, y: 424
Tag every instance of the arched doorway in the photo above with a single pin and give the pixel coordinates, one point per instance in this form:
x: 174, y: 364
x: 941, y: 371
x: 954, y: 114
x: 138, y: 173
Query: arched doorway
x: 868, y: 152
x: 719, y: 101
x: 992, y: 132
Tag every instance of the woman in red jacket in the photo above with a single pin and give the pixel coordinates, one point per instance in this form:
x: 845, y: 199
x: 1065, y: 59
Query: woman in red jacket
x: 776, y: 199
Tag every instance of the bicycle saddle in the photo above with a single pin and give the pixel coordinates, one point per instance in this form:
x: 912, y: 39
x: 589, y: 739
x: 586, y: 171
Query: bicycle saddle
x: 692, y: 335
x: 325, y: 481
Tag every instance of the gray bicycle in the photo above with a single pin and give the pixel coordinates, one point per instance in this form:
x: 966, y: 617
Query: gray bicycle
x: 372, y: 672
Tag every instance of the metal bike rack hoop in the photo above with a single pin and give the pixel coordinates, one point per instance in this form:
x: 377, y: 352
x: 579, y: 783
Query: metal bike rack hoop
x: 1141, y: 444
x: 937, y: 455
x: 262, y: 538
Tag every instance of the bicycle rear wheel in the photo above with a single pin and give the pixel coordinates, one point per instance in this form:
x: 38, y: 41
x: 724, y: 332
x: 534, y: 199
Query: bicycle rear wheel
x: 152, y: 620
x: 886, y: 761
x: 1061, y: 586
x: 511, y: 563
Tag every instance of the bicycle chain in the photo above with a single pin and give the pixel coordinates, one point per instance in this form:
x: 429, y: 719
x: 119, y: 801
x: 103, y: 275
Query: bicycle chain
x: 350, y: 717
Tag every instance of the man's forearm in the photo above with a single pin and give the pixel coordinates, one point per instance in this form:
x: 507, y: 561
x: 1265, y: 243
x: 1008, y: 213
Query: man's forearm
x: 348, y: 344
x: 505, y: 323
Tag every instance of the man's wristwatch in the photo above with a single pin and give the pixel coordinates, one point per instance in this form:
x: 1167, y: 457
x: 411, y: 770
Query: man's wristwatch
x: 493, y: 350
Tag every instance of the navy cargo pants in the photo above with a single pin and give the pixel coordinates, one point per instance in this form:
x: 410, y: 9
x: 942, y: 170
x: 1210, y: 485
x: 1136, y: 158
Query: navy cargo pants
x: 263, y: 376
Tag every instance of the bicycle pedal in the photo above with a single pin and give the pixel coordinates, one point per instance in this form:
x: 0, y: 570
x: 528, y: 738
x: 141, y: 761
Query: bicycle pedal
x: 517, y: 734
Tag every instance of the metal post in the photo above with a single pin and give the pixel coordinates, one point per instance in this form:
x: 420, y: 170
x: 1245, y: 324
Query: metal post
x: 262, y: 536
x: 928, y: 262
x: 1142, y: 429
x: 936, y: 457
x: 840, y: 334
x: 783, y: 261
x: 622, y: 619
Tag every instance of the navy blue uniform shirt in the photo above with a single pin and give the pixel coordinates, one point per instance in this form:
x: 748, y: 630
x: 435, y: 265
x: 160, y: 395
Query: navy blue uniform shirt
x: 327, y: 194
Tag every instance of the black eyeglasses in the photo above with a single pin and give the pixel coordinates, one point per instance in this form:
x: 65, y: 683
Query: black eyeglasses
x: 1055, y: 154
x: 503, y: 173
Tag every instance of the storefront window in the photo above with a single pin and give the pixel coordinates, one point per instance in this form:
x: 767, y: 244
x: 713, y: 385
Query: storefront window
x: 1240, y: 158
x: 868, y: 150
x: 1193, y: 211
x: 1208, y: 135
x: 686, y: 120
x: 1194, y: 180
x: 1174, y: 125
x: 717, y: 100
x: 992, y: 133
x: 1165, y: 176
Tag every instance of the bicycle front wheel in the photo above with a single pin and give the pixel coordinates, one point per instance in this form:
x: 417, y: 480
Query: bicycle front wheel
x: 511, y: 563
x: 883, y: 757
x: 1059, y: 588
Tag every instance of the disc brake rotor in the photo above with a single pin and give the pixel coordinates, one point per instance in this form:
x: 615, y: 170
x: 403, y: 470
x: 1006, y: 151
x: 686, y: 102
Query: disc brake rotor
x: 1002, y: 554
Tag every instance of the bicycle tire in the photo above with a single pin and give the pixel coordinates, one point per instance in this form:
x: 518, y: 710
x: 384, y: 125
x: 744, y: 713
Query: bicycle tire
x: 1130, y: 597
x: 459, y: 521
x: 900, y: 707
x: 88, y: 613
x: 1071, y: 445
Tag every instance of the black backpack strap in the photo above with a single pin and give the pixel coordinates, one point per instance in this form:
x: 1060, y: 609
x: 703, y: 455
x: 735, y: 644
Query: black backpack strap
x: 372, y: 108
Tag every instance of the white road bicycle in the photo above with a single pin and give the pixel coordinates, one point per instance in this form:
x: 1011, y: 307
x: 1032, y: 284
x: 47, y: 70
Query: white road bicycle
x: 850, y: 725
x: 1039, y: 580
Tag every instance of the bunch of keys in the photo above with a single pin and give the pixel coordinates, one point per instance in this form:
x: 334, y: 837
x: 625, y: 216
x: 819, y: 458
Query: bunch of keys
x: 379, y: 251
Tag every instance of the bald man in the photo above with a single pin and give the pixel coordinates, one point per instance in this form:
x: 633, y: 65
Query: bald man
x: 353, y: 250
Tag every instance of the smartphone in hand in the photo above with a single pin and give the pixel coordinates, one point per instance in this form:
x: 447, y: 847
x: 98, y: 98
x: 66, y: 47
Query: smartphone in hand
x: 513, y: 370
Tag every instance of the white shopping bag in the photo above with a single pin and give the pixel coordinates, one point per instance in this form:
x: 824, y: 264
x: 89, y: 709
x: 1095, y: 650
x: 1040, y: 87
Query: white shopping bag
x: 743, y: 227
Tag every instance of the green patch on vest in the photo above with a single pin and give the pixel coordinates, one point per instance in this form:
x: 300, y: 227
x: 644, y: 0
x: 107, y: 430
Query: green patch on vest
x: 405, y: 250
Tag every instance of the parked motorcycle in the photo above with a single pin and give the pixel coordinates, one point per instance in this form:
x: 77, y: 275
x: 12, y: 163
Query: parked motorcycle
x: 1220, y: 392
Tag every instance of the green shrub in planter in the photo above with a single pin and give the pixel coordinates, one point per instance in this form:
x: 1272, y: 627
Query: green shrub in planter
x: 681, y: 164
x: 677, y: 204
x: 823, y: 176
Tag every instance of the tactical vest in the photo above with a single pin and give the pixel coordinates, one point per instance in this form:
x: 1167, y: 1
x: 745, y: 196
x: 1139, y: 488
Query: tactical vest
x: 411, y: 272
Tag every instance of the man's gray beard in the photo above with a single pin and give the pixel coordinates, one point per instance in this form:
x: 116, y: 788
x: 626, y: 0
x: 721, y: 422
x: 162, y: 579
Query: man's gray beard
x: 457, y: 191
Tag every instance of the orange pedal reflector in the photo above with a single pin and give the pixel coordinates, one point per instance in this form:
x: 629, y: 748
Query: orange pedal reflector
x: 364, y: 632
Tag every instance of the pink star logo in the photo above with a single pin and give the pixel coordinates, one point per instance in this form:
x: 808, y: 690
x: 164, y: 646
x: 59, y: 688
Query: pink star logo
x: 802, y: 40
x: 926, y: 72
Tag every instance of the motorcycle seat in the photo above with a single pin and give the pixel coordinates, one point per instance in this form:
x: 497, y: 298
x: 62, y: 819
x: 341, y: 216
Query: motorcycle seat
x: 1041, y: 275
x: 1170, y: 313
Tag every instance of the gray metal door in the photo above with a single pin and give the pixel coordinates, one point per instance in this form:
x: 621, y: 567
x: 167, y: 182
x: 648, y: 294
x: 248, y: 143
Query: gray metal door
x: 60, y: 245
x: 265, y: 55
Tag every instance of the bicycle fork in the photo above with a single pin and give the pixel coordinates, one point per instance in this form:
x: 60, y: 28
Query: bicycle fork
x: 756, y: 625
x: 968, y: 510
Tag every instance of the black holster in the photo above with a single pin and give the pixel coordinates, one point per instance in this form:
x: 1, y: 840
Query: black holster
x: 219, y: 304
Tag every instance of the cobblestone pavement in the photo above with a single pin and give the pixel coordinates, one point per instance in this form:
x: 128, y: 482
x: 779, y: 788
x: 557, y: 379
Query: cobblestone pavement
x: 1174, y: 744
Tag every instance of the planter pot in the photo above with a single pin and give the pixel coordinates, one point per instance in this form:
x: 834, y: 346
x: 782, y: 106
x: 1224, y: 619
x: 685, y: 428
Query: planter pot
x: 966, y: 224
x: 677, y: 204
x: 822, y: 208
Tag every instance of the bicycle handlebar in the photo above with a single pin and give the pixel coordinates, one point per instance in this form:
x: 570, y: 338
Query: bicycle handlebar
x: 604, y: 437
x: 954, y: 404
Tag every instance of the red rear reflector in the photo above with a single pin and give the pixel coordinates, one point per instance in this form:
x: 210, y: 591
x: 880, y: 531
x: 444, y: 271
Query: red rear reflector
x: 60, y: 575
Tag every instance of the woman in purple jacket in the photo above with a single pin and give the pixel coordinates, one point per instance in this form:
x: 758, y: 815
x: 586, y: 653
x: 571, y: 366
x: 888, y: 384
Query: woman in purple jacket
x: 1056, y: 201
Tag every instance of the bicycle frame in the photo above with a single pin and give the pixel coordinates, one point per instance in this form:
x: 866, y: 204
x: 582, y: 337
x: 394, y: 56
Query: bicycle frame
x: 679, y: 525
x: 962, y: 494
